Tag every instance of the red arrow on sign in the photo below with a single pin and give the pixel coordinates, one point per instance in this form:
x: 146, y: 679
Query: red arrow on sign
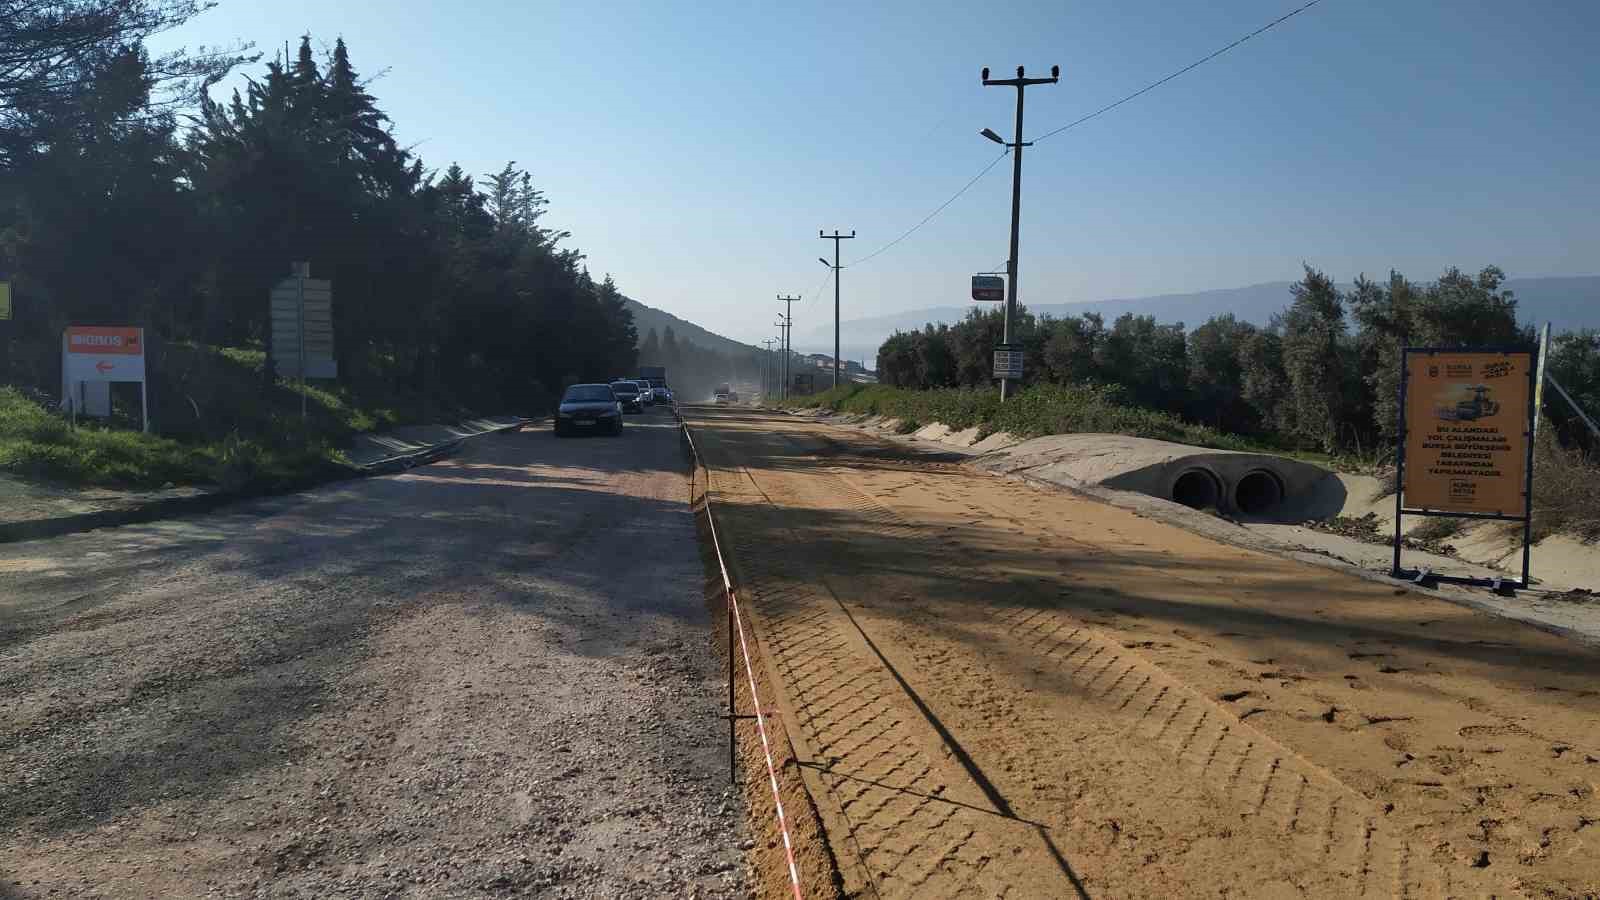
x: 103, y: 367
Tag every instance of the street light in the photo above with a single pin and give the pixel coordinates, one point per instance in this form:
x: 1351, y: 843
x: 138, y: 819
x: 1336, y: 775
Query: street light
x: 1020, y: 82
x: 824, y: 262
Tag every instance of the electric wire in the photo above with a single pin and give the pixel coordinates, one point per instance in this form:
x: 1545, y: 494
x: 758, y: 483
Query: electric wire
x: 1194, y: 65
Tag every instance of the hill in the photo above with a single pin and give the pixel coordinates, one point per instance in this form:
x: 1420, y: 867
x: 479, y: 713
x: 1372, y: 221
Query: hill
x: 1568, y: 302
x: 648, y: 317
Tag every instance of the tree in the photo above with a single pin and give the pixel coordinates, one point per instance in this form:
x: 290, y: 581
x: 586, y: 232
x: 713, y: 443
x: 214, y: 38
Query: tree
x: 1263, y: 382
x: 671, y: 353
x: 650, y: 350
x: 49, y: 49
x: 1216, y: 374
x: 1073, y: 348
x: 1455, y: 311
x: 1575, y: 364
x: 1313, y: 330
x: 1150, y: 360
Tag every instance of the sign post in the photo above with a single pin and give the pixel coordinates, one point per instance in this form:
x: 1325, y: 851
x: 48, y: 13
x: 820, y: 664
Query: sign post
x: 1466, y: 442
x: 92, y: 357
x: 5, y: 328
x: 302, y: 328
x: 1008, y: 361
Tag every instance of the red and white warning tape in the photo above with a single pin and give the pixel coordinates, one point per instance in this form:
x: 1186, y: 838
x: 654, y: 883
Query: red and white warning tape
x: 749, y: 671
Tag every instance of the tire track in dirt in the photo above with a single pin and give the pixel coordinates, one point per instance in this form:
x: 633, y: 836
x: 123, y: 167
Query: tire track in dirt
x: 915, y: 830
x: 1269, y: 786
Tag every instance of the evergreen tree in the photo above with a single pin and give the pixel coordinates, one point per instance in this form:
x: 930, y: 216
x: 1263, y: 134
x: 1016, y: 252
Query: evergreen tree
x: 1313, y: 329
x: 650, y: 349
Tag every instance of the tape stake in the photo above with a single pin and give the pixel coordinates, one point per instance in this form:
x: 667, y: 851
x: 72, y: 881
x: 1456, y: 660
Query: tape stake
x: 750, y: 674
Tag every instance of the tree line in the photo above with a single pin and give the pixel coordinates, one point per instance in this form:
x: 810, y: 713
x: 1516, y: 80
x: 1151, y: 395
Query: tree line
x: 129, y: 196
x: 1322, y: 375
x: 695, y: 371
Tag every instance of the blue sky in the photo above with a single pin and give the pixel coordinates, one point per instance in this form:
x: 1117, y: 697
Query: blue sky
x: 694, y: 149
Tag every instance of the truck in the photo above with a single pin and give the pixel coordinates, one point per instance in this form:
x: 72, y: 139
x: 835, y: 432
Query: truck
x: 656, y: 375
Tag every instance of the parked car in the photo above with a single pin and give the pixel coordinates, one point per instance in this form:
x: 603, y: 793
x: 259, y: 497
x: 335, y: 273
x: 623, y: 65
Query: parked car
x: 628, y: 395
x: 588, y: 407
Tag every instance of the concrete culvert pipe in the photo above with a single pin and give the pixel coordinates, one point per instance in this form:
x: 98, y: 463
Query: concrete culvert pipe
x: 1197, y: 489
x: 1257, y: 493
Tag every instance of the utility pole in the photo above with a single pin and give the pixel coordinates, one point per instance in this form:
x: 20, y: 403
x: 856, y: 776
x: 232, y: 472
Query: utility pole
x: 783, y: 333
x: 788, y: 316
x: 1021, y: 83
x: 766, y: 370
x: 836, y: 237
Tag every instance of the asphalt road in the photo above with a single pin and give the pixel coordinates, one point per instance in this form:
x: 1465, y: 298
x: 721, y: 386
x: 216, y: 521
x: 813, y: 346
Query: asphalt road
x: 491, y: 676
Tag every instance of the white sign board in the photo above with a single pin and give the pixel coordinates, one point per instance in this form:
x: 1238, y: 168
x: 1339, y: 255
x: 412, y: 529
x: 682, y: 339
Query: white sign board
x: 1008, y: 363
x: 92, y: 357
x: 302, y: 328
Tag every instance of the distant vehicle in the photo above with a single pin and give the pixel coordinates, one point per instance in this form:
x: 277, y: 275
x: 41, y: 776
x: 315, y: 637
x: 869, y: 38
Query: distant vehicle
x: 661, y: 394
x: 588, y: 407
x: 722, y: 397
x: 628, y: 395
x: 724, y: 388
x: 656, y: 375
x: 647, y: 394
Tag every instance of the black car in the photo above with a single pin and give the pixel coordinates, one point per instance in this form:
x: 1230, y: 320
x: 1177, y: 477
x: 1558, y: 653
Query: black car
x: 589, y: 407
x: 628, y: 395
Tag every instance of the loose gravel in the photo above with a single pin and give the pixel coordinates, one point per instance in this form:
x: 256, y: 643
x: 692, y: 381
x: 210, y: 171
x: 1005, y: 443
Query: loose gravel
x: 488, y: 677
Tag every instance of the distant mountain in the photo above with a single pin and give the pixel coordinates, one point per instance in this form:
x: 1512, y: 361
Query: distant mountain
x: 648, y: 317
x: 1568, y: 302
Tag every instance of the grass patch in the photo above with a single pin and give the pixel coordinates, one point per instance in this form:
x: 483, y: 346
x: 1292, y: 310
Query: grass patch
x: 38, y: 444
x: 1039, y: 410
x: 1566, y: 491
x: 1437, y: 528
x: 219, y: 423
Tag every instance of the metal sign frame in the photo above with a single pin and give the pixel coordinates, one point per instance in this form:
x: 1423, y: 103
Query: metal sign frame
x: 1401, y: 510
x: 1015, y: 356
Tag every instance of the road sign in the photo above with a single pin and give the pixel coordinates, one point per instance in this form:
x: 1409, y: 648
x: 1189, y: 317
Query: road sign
x: 5, y: 301
x: 1468, y: 422
x: 988, y: 288
x: 92, y: 357
x: 1008, y: 361
x: 302, y: 326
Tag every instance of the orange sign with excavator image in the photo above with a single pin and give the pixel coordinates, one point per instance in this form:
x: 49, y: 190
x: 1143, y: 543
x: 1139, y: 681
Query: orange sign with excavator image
x: 1467, y: 431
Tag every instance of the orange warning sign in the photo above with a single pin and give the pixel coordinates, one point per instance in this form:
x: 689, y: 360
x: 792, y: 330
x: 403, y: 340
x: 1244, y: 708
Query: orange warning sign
x: 1467, y: 430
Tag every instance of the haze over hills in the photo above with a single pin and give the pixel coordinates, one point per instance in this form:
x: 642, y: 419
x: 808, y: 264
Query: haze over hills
x: 648, y: 317
x: 1567, y: 302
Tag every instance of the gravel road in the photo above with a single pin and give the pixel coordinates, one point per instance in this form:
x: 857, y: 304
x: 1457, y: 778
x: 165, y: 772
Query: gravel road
x: 492, y: 676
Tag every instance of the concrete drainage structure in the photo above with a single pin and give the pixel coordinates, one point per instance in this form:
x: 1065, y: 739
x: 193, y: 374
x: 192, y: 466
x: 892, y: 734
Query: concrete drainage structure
x: 1251, y: 486
x: 1197, y: 488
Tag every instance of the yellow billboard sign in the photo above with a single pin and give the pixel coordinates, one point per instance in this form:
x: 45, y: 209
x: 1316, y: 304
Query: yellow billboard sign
x: 1467, y: 431
x: 5, y: 300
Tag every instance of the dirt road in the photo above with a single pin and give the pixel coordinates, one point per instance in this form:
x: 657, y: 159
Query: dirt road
x: 999, y: 690
x: 491, y: 676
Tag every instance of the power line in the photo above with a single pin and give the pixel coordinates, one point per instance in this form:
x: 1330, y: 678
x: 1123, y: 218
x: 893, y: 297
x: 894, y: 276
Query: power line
x: 929, y: 217
x: 1194, y: 65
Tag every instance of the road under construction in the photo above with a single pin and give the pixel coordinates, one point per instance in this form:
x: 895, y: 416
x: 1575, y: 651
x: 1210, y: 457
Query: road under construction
x: 982, y: 687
